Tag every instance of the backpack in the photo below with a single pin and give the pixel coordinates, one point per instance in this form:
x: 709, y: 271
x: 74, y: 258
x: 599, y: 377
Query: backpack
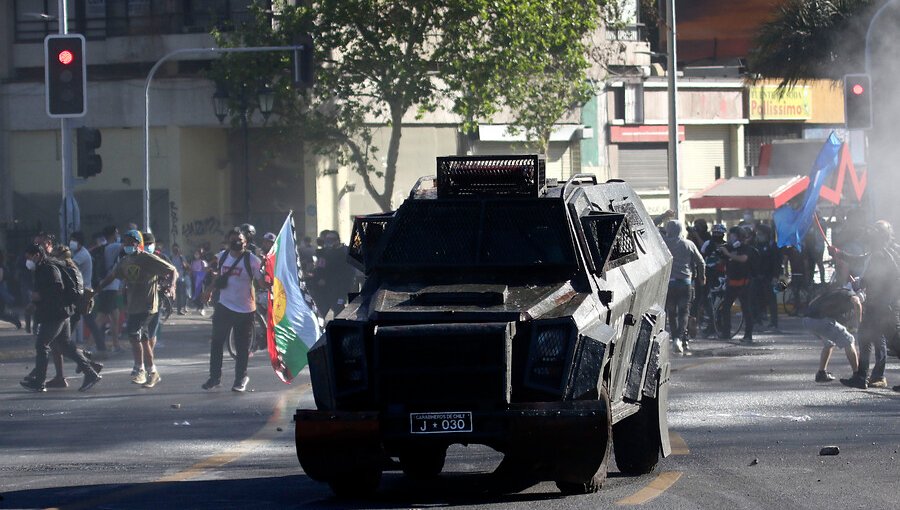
x: 246, y: 257
x: 99, y: 266
x: 73, y: 288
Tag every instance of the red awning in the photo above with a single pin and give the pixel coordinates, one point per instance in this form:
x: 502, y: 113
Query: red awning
x: 758, y: 192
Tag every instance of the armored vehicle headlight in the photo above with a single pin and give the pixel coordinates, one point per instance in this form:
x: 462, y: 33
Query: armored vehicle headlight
x: 548, y: 356
x: 348, y: 347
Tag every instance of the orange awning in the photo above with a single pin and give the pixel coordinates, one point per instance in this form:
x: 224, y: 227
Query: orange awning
x: 757, y: 192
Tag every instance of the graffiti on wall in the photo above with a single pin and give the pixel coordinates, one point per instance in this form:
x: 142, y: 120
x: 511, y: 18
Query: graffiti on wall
x: 196, y: 231
x: 173, y: 219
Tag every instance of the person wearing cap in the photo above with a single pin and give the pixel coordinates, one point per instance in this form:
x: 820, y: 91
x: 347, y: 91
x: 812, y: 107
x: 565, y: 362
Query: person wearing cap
x: 267, y: 242
x: 141, y: 272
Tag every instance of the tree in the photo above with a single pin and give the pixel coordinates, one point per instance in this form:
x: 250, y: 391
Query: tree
x: 380, y: 61
x: 811, y: 39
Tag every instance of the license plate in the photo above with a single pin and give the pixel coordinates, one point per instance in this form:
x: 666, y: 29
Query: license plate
x: 440, y: 423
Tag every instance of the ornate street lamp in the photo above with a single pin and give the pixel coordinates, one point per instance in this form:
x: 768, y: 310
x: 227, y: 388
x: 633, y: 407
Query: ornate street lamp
x: 266, y: 100
x: 220, y: 103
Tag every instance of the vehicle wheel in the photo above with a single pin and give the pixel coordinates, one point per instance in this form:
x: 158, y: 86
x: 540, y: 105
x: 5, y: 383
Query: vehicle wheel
x: 165, y: 308
x: 359, y: 483
x: 636, y: 440
x: 232, y: 348
x: 423, y: 463
x: 259, y: 341
x: 594, y: 482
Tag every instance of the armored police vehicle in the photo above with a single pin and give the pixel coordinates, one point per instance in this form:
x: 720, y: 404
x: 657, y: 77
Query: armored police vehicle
x: 499, y: 308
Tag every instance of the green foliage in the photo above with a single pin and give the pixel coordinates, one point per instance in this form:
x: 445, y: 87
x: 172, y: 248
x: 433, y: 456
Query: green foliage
x: 379, y: 60
x: 811, y: 39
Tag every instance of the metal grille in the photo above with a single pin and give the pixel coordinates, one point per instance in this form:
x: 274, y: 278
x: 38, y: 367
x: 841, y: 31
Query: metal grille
x: 490, y: 175
x: 433, y: 365
x: 476, y: 233
x: 365, y: 238
x: 520, y: 234
x: 624, y: 249
x: 434, y: 234
x: 601, y: 231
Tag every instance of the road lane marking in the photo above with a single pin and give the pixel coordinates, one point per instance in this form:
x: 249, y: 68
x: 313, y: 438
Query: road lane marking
x: 679, y: 447
x: 656, y: 487
x: 262, y: 436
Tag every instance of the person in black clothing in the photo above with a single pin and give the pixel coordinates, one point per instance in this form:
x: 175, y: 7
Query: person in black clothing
x: 768, y: 269
x: 715, y: 269
x: 52, y: 316
x: 881, y: 312
x: 739, y: 258
x: 333, y: 276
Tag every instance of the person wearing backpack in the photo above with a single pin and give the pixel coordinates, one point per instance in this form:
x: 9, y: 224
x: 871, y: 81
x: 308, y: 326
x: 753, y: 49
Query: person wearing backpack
x: 238, y: 269
x: 141, y: 273
x: 54, y: 297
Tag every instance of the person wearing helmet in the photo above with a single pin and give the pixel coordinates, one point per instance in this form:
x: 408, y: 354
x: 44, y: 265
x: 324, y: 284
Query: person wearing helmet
x: 715, y: 269
x: 250, y: 234
x: 739, y: 256
x: 881, y: 310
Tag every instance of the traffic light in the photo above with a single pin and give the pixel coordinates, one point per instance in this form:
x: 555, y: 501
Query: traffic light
x: 858, y: 101
x: 89, y: 162
x: 303, y: 62
x: 65, y: 75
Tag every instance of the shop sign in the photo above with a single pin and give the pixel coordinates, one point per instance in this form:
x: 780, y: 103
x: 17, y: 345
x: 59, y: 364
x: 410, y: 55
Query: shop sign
x: 769, y: 103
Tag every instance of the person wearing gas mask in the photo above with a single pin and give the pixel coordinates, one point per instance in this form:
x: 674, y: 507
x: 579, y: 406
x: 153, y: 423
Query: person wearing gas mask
x: 739, y: 257
x: 141, y: 272
x: 769, y: 269
x: 237, y: 270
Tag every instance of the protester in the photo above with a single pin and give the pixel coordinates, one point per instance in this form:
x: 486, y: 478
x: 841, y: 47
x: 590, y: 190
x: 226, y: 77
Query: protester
x: 52, y: 313
x: 141, y: 272
x: 267, y: 242
x: 687, y: 264
x: 106, y: 302
x: 737, y: 270
x: 768, y: 271
x: 881, y: 281
x: 199, y: 267
x: 237, y: 270
x: 830, y: 317
x: 333, y: 276
x: 182, y: 283
x: 715, y: 269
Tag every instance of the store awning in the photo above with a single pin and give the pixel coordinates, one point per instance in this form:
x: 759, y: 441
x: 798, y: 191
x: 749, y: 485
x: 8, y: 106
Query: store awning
x: 758, y: 192
x: 500, y: 133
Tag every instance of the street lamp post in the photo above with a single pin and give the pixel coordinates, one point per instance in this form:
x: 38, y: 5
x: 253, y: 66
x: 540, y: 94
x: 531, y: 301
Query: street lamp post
x: 672, y: 72
x: 265, y: 102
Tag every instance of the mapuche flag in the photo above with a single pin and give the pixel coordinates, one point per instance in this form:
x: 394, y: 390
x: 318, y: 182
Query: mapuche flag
x: 292, y: 325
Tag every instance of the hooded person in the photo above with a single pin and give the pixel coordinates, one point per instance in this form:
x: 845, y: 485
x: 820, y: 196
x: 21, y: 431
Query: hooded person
x: 687, y: 265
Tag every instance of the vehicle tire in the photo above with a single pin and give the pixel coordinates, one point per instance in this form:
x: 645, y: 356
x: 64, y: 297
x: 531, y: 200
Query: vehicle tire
x: 636, y: 440
x: 423, y: 463
x: 165, y: 308
x: 259, y: 341
x: 737, y: 320
x: 594, y: 482
x: 359, y: 483
x: 232, y: 347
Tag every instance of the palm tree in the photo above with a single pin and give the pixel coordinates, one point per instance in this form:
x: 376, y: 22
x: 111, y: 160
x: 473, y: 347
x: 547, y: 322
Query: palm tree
x: 811, y: 39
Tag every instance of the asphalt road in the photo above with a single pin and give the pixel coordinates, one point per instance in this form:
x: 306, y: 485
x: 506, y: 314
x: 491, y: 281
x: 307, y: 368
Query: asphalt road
x: 747, y: 427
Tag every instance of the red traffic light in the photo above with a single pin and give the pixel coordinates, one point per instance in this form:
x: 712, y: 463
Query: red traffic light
x: 65, y: 57
x: 858, y: 89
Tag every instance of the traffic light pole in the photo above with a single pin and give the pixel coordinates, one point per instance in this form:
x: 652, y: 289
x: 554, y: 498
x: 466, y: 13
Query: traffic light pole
x: 183, y: 51
x: 67, y: 216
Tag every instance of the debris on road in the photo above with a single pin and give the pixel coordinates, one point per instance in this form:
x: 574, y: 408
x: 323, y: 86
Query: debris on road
x: 830, y: 450
x: 176, y: 406
x: 754, y: 462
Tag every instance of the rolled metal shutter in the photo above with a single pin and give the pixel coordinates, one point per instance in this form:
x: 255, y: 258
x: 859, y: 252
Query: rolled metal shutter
x: 704, y: 149
x: 644, y: 165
